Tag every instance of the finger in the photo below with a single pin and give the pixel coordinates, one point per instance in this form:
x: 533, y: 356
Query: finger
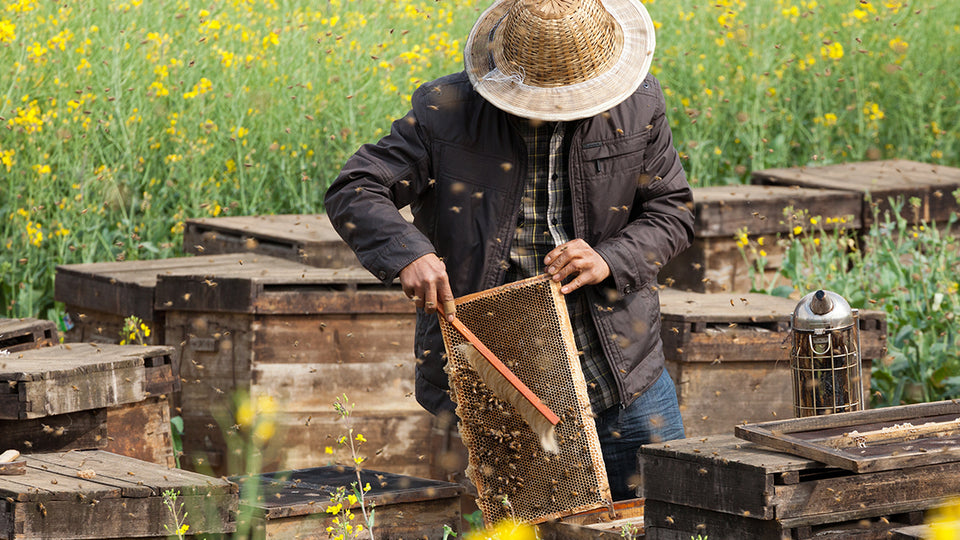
x: 574, y: 284
x: 446, y: 299
x: 556, y: 253
x: 430, y: 298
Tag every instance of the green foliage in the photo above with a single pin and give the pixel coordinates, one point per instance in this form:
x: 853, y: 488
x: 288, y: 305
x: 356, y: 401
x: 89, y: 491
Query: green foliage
x: 909, y: 271
x: 120, y: 120
x: 180, y: 526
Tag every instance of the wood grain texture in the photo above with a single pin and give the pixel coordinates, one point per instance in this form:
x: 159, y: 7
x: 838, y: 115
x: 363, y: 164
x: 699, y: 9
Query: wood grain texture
x: 812, y: 436
x: 877, y: 182
x: 304, y: 238
x: 293, y: 503
x: 722, y: 211
x: 96, y: 494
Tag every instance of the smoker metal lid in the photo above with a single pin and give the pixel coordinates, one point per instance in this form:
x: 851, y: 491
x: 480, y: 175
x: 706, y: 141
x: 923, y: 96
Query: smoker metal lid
x: 822, y: 310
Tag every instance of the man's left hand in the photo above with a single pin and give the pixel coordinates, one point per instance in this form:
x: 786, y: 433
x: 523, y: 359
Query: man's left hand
x: 576, y: 258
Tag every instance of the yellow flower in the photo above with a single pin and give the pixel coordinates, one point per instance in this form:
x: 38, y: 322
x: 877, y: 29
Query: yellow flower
x: 505, y: 530
x: 8, y: 31
x: 899, y: 46
x: 797, y: 230
x: 335, y: 509
x: 945, y: 521
x: 245, y: 413
x: 361, y: 438
x: 832, y: 51
x: 328, y: 450
x: 352, y: 499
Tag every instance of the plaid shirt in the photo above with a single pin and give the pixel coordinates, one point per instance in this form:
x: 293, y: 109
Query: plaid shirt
x: 545, y: 222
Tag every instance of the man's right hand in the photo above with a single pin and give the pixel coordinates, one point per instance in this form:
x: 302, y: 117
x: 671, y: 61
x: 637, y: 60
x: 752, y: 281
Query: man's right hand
x: 425, y: 282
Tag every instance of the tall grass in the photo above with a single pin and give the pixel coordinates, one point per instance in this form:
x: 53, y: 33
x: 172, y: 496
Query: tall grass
x: 119, y: 120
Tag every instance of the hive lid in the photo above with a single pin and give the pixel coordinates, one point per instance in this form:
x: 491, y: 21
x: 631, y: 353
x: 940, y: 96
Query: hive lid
x: 308, y: 491
x: 275, y: 285
x: 722, y: 211
x: 127, y: 287
x: 75, y: 377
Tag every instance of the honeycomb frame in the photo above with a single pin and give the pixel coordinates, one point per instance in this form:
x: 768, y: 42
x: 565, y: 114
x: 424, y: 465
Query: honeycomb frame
x: 527, y: 326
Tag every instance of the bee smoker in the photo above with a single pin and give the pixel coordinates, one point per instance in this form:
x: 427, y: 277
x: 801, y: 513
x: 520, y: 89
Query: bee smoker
x: 825, y: 355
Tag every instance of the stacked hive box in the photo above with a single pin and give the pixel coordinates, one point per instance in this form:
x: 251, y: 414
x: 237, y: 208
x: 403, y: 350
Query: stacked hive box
x: 24, y: 334
x: 875, y: 183
x: 84, y: 396
x: 303, y: 337
x: 714, y: 262
x: 292, y: 504
x: 95, y: 494
x: 98, y: 297
x: 306, y: 238
x: 729, y: 356
x: 724, y: 488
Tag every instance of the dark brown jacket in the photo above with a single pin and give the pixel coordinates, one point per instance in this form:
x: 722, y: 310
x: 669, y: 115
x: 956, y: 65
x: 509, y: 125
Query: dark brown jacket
x: 461, y: 166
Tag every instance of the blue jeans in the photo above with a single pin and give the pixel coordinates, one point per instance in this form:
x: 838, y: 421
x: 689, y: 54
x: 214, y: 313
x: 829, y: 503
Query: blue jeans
x: 653, y: 417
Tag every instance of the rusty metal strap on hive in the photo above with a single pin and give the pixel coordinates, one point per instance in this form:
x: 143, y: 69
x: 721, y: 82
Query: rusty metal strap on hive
x: 527, y: 326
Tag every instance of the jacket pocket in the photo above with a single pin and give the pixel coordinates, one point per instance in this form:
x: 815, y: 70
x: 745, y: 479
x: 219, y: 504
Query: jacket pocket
x: 611, y: 157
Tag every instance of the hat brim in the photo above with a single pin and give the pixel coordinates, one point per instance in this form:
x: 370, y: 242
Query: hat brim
x: 571, y: 102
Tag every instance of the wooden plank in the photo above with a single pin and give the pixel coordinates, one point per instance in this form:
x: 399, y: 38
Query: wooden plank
x: 722, y: 211
x: 280, y: 287
x: 853, y: 496
x: 127, y: 288
x: 665, y: 520
x: 81, y: 430
x: 881, y: 180
x: 816, y: 437
x: 718, y: 485
x: 13, y: 468
x: 142, y: 431
x: 27, y: 333
x: 720, y: 308
x: 292, y: 503
x: 396, y: 441
x: 385, y: 339
x: 96, y: 494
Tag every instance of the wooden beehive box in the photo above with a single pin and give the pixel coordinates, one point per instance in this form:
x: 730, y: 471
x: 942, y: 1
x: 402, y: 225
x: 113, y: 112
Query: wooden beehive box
x: 292, y: 504
x: 875, y: 182
x: 714, y: 263
x: 85, y: 396
x: 303, y: 336
x: 722, y: 487
x: 729, y: 356
x: 306, y: 238
x: 99, y: 495
x: 98, y: 297
x: 24, y: 334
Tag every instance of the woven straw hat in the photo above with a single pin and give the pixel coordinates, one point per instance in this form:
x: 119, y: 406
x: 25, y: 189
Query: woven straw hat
x: 559, y: 60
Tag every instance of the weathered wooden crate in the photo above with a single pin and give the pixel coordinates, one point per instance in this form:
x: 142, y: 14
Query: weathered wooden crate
x: 306, y: 238
x: 726, y: 488
x: 85, y: 396
x: 876, y: 182
x: 729, y: 356
x: 714, y: 263
x: 292, y: 504
x: 303, y: 336
x: 99, y: 495
x: 98, y: 297
x: 23, y: 334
